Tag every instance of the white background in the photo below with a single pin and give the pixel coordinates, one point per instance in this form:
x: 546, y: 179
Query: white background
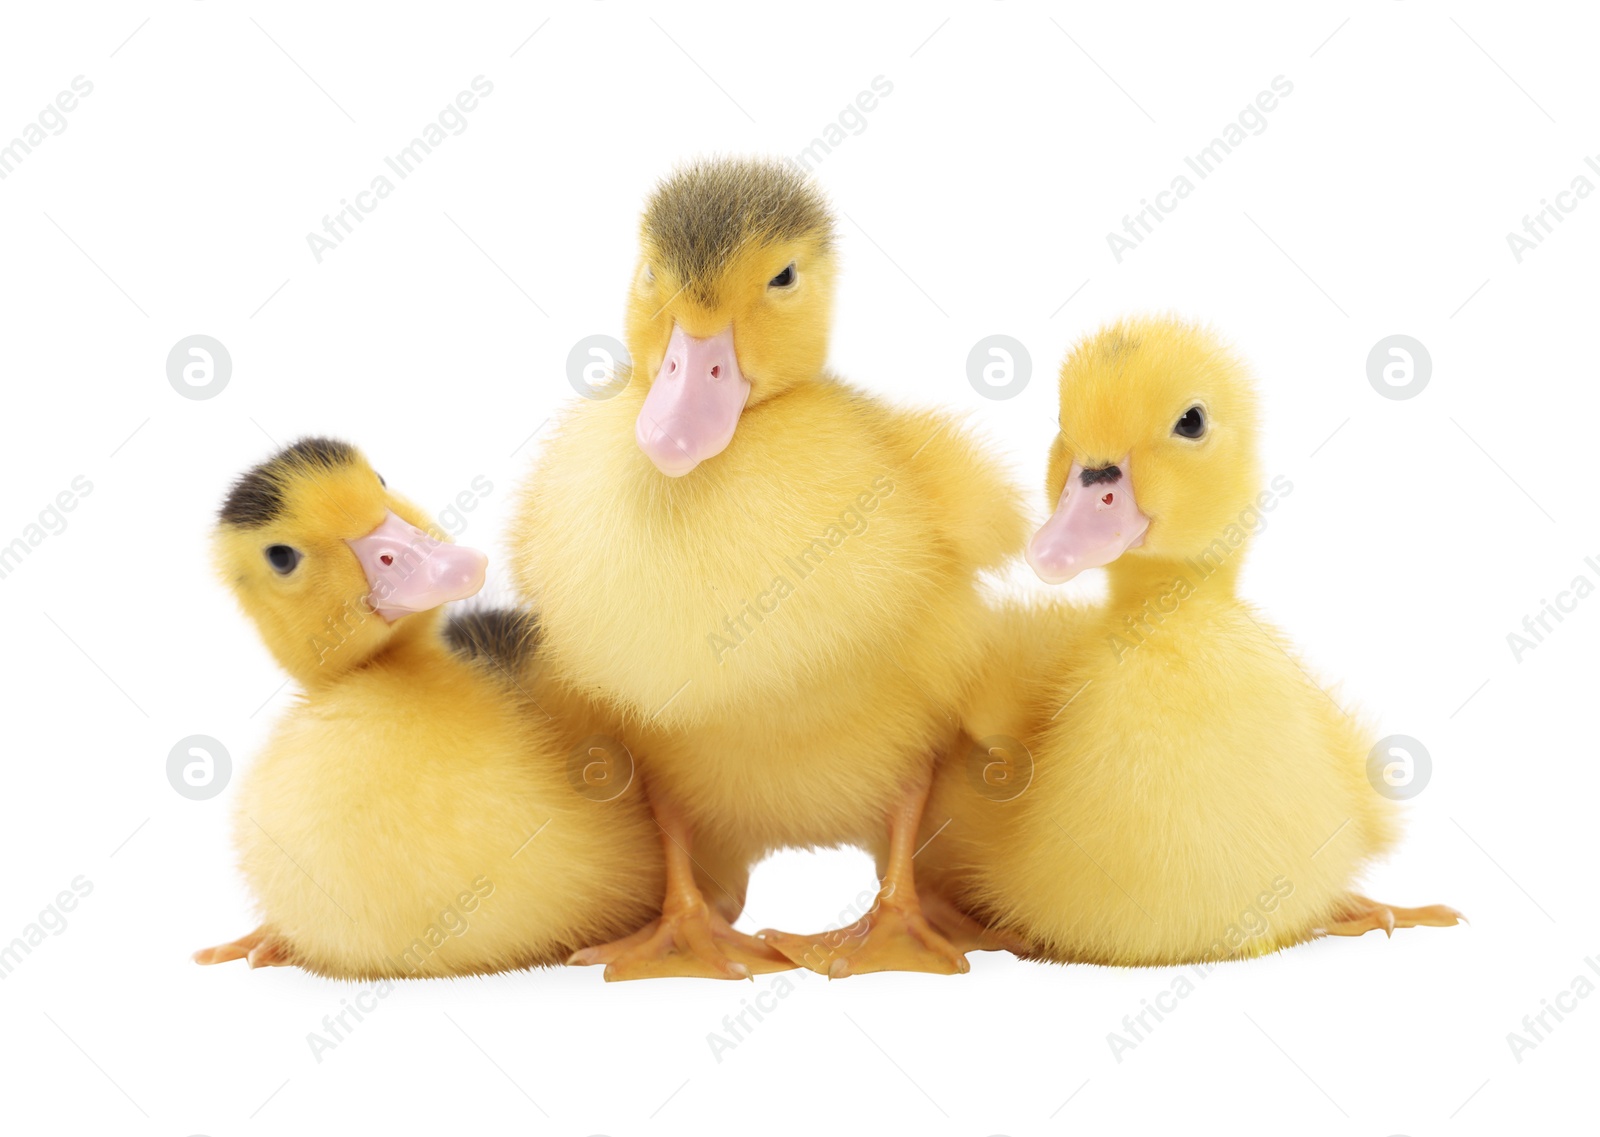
x: 978, y: 197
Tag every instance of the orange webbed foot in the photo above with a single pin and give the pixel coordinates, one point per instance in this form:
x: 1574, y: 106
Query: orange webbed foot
x: 894, y: 936
x: 1362, y: 915
x: 689, y: 942
x: 261, y: 948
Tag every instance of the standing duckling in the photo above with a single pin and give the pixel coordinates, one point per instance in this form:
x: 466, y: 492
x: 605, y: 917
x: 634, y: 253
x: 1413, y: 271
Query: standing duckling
x: 1194, y: 794
x: 770, y: 572
x: 412, y: 815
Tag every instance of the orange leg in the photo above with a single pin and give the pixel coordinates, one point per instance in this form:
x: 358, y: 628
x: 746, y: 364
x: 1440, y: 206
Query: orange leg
x: 690, y: 938
x: 1362, y: 915
x: 261, y: 948
x: 896, y: 935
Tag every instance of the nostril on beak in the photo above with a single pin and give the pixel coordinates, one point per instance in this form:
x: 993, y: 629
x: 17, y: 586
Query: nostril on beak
x: 1107, y: 499
x: 387, y: 558
x: 716, y: 371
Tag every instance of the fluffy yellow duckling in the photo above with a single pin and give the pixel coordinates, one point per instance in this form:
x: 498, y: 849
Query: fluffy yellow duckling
x: 413, y: 814
x: 1191, y: 793
x: 767, y: 570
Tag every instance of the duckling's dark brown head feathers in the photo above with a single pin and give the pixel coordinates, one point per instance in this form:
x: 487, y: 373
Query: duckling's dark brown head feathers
x: 503, y: 637
x: 700, y: 217
x: 257, y: 497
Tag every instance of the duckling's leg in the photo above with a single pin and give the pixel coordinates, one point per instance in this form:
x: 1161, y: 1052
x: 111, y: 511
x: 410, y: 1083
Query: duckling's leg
x: 690, y: 938
x: 262, y: 948
x: 1362, y: 915
x: 896, y: 935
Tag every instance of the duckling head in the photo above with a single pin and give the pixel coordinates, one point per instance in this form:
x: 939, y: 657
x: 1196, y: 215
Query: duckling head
x: 331, y: 565
x: 731, y: 301
x: 1156, y: 457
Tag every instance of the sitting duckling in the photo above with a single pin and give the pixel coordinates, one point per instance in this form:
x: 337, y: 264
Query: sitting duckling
x: 771, y: 572
x: 413, y: 814
x: 1194, y: 794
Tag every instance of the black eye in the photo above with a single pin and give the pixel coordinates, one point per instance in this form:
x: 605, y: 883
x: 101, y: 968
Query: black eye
x: 1192, y: 424
x: 282, y: 558
x: 783, y: 280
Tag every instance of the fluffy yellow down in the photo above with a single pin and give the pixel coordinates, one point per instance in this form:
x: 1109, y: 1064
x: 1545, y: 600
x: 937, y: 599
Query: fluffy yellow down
x: 413, y: 813
x: 1185, y: 790
x: 793, y: 624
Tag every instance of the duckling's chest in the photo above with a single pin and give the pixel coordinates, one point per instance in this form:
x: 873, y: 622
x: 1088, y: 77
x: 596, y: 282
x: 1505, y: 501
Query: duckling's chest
x: 1200, y: 727
x: 758, y: 572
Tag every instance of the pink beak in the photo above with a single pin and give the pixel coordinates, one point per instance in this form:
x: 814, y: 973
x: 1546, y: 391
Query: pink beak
x: 694, y: 404
x: 408, y: 571
x: 1092, y: 526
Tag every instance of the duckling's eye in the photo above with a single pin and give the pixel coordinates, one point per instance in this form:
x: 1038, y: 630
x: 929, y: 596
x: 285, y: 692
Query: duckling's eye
x: 1192, y: 424
x: 283, y: 558
x: 784, y: 279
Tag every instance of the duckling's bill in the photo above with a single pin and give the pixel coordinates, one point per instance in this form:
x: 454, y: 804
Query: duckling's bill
x: 408, y: 571
x: 694, y: 404
x: 1095, y: 522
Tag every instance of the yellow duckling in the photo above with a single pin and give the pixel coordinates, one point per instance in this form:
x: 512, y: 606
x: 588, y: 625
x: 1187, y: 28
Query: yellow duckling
x: 1194, y: 795
x: 768, y: 571
x: 412, y: 814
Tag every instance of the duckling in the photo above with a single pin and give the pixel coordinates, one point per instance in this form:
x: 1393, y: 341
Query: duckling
x: 412, y: 815
x: 1185, y: 790
x: 770, y: 573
